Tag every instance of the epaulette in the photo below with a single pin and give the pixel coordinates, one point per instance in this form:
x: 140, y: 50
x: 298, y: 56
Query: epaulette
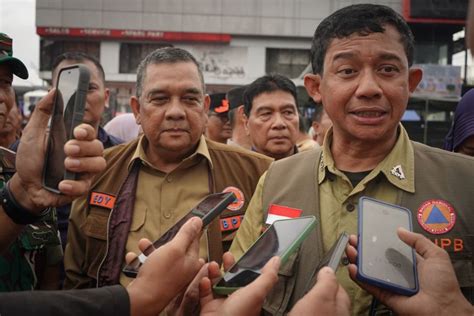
x: 7, y: 160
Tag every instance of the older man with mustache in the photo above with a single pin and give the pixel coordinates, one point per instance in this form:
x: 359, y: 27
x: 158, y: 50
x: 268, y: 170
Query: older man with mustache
x: 152, y: 182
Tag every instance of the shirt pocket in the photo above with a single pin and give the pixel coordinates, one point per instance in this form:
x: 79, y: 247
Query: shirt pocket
x: 138, y: 220
x: 463, y: 262
x: 95, y: 230
x: 278, y: 299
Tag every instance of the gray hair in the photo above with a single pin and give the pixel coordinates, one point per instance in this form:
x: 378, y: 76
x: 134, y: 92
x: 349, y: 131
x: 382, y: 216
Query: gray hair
x: 165, y: 55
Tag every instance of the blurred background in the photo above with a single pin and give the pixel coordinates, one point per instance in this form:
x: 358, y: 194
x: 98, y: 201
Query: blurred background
x: 234, y: 41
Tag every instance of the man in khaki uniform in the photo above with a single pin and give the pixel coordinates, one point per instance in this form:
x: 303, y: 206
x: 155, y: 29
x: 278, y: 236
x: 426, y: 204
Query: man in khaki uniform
x: 152, y: 182
x: 361, y: 58
x: 272, y: 116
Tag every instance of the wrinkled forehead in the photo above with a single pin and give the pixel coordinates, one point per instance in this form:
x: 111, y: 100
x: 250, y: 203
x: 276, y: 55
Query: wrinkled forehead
x: 181, y: 73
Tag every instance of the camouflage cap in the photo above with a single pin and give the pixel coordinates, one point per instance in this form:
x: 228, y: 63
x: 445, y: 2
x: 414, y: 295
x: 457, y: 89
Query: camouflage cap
x: 6, y: 57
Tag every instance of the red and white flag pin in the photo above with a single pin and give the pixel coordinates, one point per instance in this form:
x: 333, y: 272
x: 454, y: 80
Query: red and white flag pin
x: 278, y: 212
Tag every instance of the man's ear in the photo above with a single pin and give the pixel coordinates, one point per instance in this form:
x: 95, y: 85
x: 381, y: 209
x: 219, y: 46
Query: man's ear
x: 312, y: 84
x: 107, y: 97
x: 414, y: 77
x: 246, y: 124
x: 207, y: 103
x: 135, y: 105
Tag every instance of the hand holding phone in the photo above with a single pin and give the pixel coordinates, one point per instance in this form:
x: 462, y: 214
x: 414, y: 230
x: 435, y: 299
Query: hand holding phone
x: 208, y: 209
x: 281, y: 239
x: 383, y: 259
x: 331, y: 259
x: 68, y: 111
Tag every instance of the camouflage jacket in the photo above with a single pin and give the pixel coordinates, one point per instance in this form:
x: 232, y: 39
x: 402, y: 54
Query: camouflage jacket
x: 38, y: 245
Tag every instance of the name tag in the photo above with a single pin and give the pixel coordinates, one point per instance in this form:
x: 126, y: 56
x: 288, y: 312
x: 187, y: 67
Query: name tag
x: 102, y: 200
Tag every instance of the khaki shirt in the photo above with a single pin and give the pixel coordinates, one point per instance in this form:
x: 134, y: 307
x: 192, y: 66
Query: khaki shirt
x: 338, y: 204
x: 162, y: 199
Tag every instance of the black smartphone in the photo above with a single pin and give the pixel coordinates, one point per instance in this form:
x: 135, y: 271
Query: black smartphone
x: 331, y: 259
x: 68, y: 111
x: 383, y: 259
x: 281, y: 239
x: 208, y: 209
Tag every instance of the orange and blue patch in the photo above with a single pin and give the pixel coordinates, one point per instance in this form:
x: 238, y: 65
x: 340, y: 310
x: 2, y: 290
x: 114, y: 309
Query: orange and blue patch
x: 239, y: 201
x: 436, y: 216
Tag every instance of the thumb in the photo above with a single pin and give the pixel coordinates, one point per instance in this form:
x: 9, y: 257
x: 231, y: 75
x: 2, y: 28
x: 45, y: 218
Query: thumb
x: 42, y: 112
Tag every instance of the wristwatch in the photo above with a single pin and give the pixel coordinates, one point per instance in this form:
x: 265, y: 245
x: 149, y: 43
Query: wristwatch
x: 15, y: 211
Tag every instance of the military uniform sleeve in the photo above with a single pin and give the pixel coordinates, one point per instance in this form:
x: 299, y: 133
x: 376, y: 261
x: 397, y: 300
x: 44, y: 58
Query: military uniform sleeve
x: 74, y: 255
x: 105, y: 301
x: 251, y: 226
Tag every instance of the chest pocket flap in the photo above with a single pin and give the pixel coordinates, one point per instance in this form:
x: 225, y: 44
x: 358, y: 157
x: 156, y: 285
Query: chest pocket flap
x: 96, y: 224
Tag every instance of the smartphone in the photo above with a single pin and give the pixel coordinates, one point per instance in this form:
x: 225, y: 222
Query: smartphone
x: 68, y: 111
x: 331, y: 259
x: 281, y: 239
x: 208, y: 209
x: 383, y: 259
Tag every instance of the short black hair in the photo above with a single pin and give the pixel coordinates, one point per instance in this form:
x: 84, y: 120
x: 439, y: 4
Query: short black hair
x: 165, y: 55
x: 265, y: 84
x: 362, y: 19
x: 78, y: 57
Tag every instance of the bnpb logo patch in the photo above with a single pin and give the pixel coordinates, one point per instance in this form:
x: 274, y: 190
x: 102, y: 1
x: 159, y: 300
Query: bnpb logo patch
x: 436, y: 216
x: 239, y: 201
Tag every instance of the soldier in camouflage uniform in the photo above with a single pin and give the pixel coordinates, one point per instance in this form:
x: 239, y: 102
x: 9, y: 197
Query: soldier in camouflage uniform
x: 23, y: 264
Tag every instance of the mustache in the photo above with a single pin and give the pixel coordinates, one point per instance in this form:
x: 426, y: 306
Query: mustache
x: 174, y: 129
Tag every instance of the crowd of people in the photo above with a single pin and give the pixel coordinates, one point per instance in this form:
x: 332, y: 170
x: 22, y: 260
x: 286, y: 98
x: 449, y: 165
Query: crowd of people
x: 182, y: 144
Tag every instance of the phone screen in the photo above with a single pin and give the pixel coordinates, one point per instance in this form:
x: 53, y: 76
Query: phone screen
x: 208, y: 209
x: 61, y: 126
x: 278, y: 240
x: 383, y: 257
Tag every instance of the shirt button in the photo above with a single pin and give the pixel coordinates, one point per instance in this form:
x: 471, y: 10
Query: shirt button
x: 169, y: 179
x: 350, y: 207
x: 345, y: 261
x: 167, y: 215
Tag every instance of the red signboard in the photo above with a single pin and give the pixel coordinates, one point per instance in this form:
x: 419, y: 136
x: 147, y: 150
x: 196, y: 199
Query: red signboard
x: 432, y: 11
x: 132, y: 34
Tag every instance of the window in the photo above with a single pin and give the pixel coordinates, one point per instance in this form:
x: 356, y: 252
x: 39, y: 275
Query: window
x: 288, y: 62
x: 131, y: 54
x: 50, y: 49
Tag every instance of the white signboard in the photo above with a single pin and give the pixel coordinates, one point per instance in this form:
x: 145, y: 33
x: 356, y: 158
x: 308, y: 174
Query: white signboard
x: 439, y: 81
x: 220, y: 63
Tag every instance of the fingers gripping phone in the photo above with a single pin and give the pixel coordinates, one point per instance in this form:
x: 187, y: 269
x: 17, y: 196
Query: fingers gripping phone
x: 331, y: 259
x: 383, y: 259
x: 208, y: 209
x: 68, y: 111
x: 281, y: 239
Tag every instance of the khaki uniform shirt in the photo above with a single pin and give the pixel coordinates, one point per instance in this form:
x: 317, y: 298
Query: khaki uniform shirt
x: 162, y: 199
x: 338, y: 205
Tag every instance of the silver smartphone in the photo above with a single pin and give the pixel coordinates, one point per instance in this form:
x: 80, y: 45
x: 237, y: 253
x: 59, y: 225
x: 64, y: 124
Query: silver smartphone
x: 383, y: 259
x: 68, y: 111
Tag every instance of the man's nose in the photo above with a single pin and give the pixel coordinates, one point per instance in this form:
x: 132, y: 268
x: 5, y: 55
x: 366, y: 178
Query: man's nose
x: 369, y: 86
x: 278, y: 121
x: 175, y: 110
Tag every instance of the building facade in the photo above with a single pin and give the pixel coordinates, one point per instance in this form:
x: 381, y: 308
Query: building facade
x: 234, y: 41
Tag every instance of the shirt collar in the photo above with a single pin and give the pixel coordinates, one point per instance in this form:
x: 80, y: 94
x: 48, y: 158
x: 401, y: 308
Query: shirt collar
x: 398, y: 166
x: 201, y: 151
